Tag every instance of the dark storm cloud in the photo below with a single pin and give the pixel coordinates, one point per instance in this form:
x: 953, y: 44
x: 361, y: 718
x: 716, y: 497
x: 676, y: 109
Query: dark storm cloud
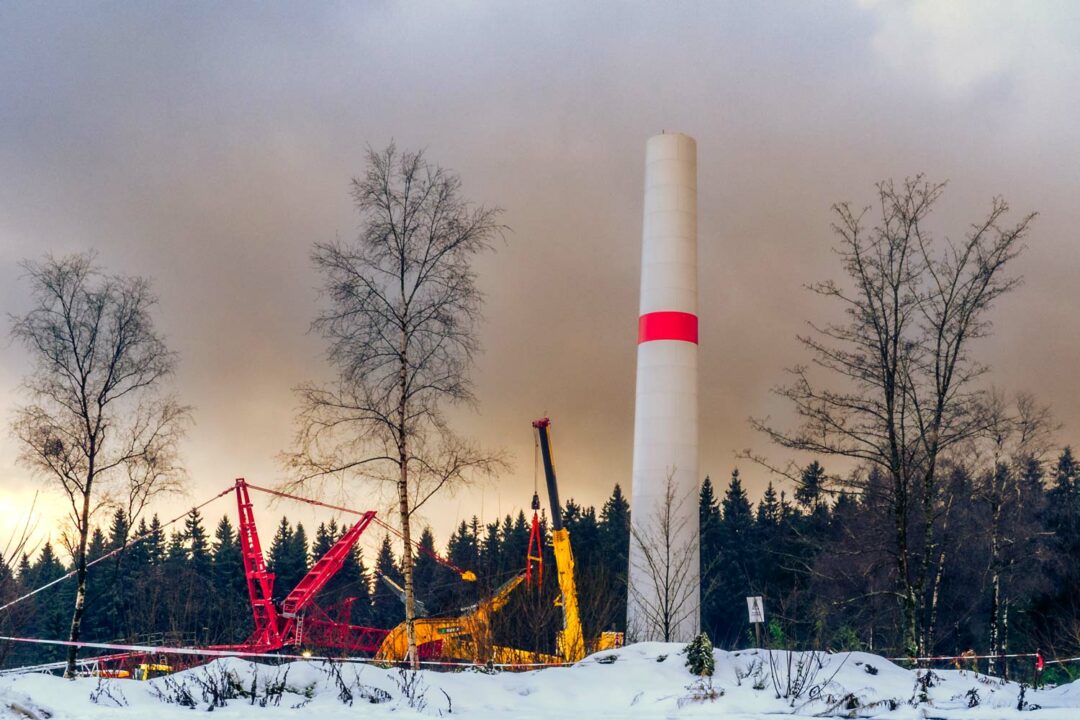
x: 207, y: 145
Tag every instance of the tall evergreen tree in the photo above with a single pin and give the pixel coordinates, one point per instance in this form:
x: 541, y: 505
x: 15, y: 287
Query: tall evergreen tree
x: 96, y: 612
x: 24, y: 572
x: 615, y: 539
x: 768, y: 511
x: 155, y: 542
x: 179, y: 604
x: 144, y: 572
x: 356, y: 584
x: 50, y: 608
x: 709, y: 519
x: 198, y: 545
x: 584, y: 529
x: 735, y: 562
x: 176, y: 555
x: 230, y: 610
x: 288, y: 557
x: 387, y: 609
x: 1063, y: 514
x: 515, y: 539
x: 491, y: 554
x: 426, y: 571
x: 325, y: 537
x: 299, y: 555
x: 810, y: 492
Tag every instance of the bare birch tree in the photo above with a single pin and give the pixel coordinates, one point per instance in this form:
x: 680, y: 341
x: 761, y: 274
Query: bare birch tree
x: 668, y: 565
x: 1008, y: 485
x: 906, y: 386
x: 96, y: 421
x: 401, y: 323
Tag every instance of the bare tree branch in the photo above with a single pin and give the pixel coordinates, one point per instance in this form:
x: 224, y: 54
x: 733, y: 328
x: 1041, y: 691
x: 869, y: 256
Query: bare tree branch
x: 94, y: 422
x: 904, y: 397
x: 401, y: 323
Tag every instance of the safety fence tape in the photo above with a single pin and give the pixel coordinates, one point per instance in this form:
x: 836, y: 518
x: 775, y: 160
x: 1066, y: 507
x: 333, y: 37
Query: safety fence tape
x: 206, y: 652
x: 1063, y: 661
x: 938, y: 658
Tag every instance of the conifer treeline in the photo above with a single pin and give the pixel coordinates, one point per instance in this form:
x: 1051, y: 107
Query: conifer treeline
x: 1007, y: 563
x: 815, y: 557
x: 188, y: 587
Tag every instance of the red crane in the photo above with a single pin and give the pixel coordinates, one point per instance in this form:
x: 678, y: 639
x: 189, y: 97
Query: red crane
x: 298, y: 620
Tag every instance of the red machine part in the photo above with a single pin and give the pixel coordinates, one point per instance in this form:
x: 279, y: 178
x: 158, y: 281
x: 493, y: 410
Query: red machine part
x: 535, y: 554
x: 260, y: 581
x: 276, y: 628
x: 324, y: 569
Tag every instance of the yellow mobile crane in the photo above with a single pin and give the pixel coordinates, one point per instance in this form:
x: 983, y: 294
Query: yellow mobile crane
x: 467, y: 635
x: 570, y: 643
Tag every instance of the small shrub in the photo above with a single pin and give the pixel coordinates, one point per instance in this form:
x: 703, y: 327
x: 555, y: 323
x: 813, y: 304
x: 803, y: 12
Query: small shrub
x: 701, y: 690
x: 273, y: 689
x: 774, y: 634
x: 172, y: 692
x: 350, y: 690
x: 754, y: 670
x: 345, y: 694
x: 699, y: 656
x: 217, y: 685
x: 923, y: 683
x: 413, y: 688
x: 106, y: 693
x: 795, y: 675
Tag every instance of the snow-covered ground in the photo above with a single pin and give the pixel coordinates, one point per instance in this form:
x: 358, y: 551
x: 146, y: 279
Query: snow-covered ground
x: 647, y: 680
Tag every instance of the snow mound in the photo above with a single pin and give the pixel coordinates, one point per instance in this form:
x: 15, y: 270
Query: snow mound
x: 645, y: 680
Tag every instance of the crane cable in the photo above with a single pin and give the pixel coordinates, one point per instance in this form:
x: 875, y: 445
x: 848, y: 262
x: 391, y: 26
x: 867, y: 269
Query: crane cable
x: 467, y: 575
x: 115, y: 551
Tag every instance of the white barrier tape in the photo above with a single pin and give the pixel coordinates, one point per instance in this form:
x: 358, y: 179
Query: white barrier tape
x: 940, y: 658
x: 200, y: 652
x: 1062, y: 662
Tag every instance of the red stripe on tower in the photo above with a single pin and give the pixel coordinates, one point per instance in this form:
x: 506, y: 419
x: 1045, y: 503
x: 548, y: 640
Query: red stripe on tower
x: 668, y: 325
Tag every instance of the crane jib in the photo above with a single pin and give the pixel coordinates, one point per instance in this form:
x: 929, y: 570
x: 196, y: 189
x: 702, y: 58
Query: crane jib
x: 549, y: 475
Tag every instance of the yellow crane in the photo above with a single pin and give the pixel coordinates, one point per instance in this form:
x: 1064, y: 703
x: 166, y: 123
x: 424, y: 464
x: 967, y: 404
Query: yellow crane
x: 467, y: 635
x: 570, y: 642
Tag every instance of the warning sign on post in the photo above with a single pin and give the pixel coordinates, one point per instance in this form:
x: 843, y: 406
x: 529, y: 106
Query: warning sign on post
x: 756, y: 608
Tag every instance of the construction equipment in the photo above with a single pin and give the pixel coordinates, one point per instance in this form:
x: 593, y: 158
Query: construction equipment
x: 534, y: 556
x: 570, y: 643
x: 149, y: 671
x: 466, y: 635
x: 297, y: 620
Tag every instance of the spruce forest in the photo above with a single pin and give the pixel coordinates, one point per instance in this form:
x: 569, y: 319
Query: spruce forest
x: 819, y: 556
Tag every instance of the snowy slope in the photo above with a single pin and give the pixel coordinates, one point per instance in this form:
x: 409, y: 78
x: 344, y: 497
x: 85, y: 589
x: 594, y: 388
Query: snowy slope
x: 647, y: 680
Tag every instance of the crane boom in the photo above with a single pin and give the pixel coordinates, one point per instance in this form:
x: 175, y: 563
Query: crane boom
x: 572, y: 645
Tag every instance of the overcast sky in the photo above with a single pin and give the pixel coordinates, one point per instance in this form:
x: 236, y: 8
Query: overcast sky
x: 208, y: 145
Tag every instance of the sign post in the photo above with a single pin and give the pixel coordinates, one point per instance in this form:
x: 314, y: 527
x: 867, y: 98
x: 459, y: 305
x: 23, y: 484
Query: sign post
x: 755, y: 608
